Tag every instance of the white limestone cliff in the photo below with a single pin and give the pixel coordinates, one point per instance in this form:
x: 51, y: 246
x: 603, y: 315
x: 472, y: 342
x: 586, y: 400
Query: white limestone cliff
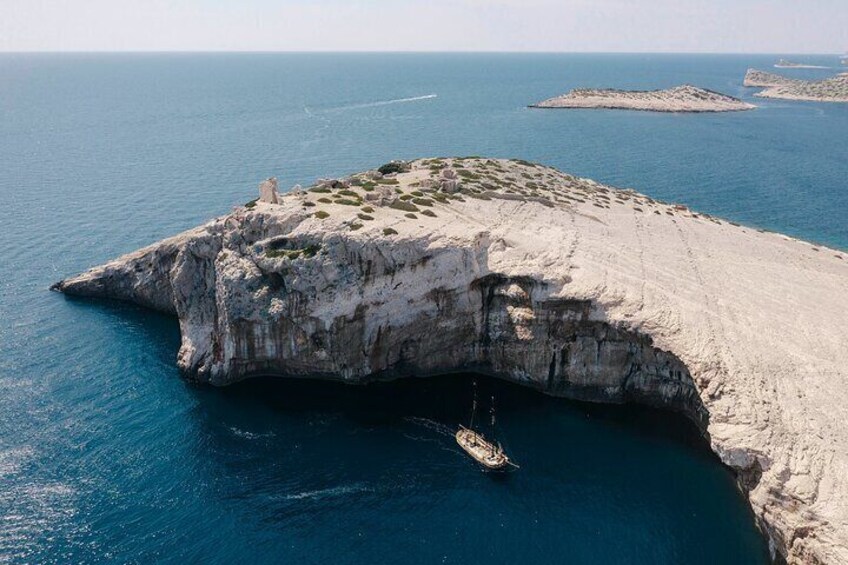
x: 559, y: 283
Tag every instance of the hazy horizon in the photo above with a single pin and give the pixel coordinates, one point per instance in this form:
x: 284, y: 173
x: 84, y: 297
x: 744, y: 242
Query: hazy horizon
x: 504, y: 26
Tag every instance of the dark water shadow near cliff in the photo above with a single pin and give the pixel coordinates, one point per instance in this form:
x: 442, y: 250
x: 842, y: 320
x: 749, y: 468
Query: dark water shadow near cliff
x: 373, y: 472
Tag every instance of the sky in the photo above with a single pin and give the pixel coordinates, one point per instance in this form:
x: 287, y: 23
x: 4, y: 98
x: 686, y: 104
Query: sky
x: 717, y: 26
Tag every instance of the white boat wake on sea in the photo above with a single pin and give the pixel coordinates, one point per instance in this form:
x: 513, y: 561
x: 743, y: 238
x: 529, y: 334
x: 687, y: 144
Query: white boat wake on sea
x: 383, y: 103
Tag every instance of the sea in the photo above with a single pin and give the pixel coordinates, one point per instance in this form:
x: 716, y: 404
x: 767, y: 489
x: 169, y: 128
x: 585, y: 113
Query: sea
x: 107, y: 455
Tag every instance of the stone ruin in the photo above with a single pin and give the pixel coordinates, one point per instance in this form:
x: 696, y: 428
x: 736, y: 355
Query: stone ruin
x: 268, y: 191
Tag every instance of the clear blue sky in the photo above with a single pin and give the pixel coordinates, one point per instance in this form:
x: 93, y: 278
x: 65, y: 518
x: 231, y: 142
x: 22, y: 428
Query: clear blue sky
x: 749, y: 26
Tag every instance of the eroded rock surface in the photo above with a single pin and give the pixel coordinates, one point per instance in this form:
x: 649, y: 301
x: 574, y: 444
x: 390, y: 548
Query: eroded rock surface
x: 560, y: 283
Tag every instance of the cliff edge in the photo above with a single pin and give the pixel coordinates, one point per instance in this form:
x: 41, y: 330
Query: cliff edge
x: 556, y: 282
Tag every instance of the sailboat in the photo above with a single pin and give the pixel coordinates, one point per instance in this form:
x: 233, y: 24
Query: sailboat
x: 485, y: 452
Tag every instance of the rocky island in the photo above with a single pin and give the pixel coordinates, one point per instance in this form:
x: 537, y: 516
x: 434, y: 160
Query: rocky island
x: 559, y: 283
x: 784, y: 64
x: 684, y: 98
x: 764, y: 79
x: 834, y: 89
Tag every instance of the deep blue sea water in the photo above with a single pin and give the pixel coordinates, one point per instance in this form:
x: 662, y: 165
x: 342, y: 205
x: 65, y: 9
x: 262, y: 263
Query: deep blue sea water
x: 106, y: 454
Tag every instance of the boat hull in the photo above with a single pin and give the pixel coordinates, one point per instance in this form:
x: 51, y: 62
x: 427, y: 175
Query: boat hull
x: 481, y: 450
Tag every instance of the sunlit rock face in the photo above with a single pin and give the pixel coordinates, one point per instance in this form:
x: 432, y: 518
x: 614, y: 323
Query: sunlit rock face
x: 562, y: 284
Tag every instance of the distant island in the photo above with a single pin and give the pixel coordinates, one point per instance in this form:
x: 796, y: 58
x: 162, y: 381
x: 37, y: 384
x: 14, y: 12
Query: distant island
x: 686, y: 98
x: 834, y: 89
x: 765, y: 79
x: 784, y: 64
x: 553, y: 281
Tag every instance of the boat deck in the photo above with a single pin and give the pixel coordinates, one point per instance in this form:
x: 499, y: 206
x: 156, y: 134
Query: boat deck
x: 484, y: 452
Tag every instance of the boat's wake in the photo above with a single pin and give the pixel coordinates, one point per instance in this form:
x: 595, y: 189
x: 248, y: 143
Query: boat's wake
x: 432, y: 425
x: 329, y: 492
x: 250, y: 435
x: 376, y: 103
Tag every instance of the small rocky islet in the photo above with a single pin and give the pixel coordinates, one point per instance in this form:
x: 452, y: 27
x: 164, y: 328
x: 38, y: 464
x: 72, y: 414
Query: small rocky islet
x: 685, y: 98
x: 546, y: 279
x: 834, y: 89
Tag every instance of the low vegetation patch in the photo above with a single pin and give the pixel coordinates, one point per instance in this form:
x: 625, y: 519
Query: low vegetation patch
x: 405, y: 206
x: 429, y: 213
x: 389, y: 231
x: 306, y: 252
x: 411, y: 216
x: 365, y: 217
x: 321, y: 214
x: 390, y: 168
x: 422, y: 201
x: 466, y: 174
x: 251, y: 204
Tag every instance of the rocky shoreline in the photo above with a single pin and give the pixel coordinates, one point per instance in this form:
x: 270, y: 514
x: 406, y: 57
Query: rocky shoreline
x: 833, y: 89
x: 559, y: 283
x: 684, y: 98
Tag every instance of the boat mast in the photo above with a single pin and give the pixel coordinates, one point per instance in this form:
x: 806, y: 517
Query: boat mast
x: 492, y: 410
x: 473, y: 405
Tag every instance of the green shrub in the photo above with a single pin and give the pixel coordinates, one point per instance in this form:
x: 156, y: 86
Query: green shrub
x: 308, y: 204
x: 365, y: 217
x: 466, y: 174
x: 405, y: 206
x: 406, y: 197
x: 390, y: 168
x: 307, y: 252
x: 348, y: 202
x: 347, y: 192
x: 367, y: 209
x: 355, y: 226
x: 417, y: 193
x: 321, y: 189
x: 321, y: 214
x: 429, y: 213
x: 422, y: 201
x: 388, y: 181
x: 251, y: 204
x: 389, y: 231
x: 411, y: 215
x: 325, y: 200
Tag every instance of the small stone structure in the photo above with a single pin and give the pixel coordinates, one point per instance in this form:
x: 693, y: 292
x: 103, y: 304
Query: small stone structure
x: 268, y: 191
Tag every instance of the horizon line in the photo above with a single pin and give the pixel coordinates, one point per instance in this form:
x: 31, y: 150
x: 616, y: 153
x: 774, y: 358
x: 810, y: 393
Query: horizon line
x: 398, y: 52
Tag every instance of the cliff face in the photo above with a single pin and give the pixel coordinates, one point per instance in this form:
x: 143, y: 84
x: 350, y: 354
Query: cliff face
x: 559, y: 283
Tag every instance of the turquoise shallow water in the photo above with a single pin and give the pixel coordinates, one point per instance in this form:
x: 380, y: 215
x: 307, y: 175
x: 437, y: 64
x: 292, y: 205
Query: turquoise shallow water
x: 107, y: 455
